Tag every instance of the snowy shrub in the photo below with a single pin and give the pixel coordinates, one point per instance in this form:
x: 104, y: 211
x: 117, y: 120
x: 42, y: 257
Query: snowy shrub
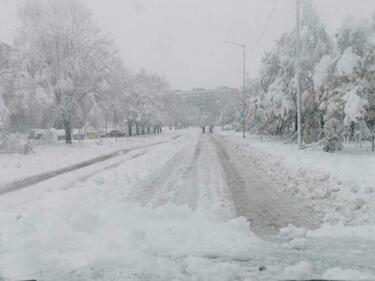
x: 333, y: 126
x: 332, y: 130
x: 12, y: 144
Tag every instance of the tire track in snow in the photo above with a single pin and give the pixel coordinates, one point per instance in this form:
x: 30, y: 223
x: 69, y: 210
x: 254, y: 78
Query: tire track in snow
x: 215, y: 195
x: 255, y: 197
x: 175, y: 182
x: 146, y: 191
x: 181, y: 186
x: 193, y: 177
x: 106, y: 168
x: 188, y: 193
x: 32, y: 180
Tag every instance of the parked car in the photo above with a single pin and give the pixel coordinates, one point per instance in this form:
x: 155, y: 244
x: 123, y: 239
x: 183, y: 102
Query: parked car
x: 93, y: 135
x: 76, y: 134
x: 116, y: 134
x: 50, y: 135
x: 60, y: 134
x: 36, y: 134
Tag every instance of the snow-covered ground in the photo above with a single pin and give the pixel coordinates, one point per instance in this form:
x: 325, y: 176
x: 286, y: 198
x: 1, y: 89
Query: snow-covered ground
x: 340, y: 185
x: 91, y: 224
x: 163, y: 212
x: 50, y: 157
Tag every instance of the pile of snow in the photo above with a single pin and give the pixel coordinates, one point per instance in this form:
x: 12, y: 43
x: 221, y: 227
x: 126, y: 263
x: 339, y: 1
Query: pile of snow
x: 292, y: 232
x: 343, y: 231
x: 296, y: 236
x: 337, y: 231
x: 305, y: 271
x: 339, y: 186
x: 338, y: 273
x: 119, y: 236
x: 300, y: 271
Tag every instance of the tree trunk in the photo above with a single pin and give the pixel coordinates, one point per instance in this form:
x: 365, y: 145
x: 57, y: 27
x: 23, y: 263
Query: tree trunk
x: 143, y: 129
x: 68, y: 131
x: 106, y: 122
x: 130, y: 129
x: 321, y: 126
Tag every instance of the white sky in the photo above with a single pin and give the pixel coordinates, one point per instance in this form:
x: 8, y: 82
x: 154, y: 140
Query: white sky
x: 183, y: 40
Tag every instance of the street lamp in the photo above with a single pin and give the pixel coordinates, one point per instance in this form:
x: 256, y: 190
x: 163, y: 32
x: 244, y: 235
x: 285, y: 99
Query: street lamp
x: 243, y: 46
x: 298, y: 77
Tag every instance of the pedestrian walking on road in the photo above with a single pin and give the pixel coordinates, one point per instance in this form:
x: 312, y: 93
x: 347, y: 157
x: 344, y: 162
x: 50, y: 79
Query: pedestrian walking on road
x: 203, y: 129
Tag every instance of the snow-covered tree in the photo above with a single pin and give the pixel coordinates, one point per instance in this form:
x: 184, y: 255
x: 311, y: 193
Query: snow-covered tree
x: 148, y: 104
x: 337, y: 79
x: 279, y: 82
x: 66, y: 51
x: 4, y: 114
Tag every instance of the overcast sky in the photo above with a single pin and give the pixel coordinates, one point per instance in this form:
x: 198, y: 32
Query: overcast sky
x: 183, y: 40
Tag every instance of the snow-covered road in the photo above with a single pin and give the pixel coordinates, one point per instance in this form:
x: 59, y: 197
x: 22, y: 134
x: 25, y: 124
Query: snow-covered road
x: 170, y: 211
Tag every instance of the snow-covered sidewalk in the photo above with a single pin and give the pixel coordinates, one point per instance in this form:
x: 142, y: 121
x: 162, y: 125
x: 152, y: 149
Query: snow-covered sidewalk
x: 341, y: 185
x: 51, y: 157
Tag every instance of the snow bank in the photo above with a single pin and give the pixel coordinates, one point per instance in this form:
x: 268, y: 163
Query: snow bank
x: 120, y: 236
x: 343, y: 231
x: 339, y: 185
x: 297, y: 234
x: 300, y: 271
x: 338, y: 273
x: 292, y: 232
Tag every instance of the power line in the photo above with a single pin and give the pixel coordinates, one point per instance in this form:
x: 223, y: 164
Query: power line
x: 267, y: 24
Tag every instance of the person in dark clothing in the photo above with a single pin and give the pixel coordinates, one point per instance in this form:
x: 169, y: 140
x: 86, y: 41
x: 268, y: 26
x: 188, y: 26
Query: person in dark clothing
x: 203, y: 129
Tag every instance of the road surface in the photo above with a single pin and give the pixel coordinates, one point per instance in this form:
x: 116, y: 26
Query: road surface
x: 207, y: 172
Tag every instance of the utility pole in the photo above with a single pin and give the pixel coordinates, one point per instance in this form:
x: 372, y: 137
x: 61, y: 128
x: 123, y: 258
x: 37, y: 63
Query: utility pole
x: 298, y: 76
x: 243, y: 46
x: 243, y: 91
